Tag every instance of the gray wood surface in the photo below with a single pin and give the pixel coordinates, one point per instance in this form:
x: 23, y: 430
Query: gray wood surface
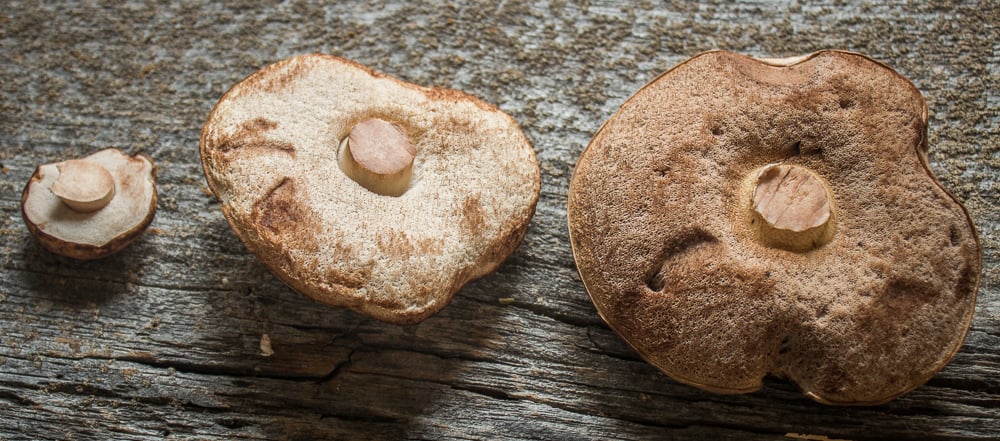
x: 164, y: 339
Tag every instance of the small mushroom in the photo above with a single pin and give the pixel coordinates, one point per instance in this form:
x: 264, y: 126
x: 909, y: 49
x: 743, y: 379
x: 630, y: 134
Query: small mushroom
x: 738, y: 218
x: 363, y: 191
x: 92, y: 207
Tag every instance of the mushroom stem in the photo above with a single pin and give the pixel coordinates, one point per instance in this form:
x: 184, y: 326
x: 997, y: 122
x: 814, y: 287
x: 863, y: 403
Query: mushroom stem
x: 83, y: 185
x: 378, y: 155
x: 791, y: 208
x: 786, y: 61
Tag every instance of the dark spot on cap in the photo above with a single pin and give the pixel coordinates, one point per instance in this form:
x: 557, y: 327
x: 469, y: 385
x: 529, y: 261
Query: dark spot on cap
x: 953, y: 236
x: 350, y: 279
x: 785, y: 345
x: 658, y: 275
x: 283, y: 218
x: 281, y: 75
x: 472, y: 215
x: 251, y: 135
x: 905, y: 294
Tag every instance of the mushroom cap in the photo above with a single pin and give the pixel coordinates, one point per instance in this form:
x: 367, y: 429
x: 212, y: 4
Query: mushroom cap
x: 660, y: 221
x: 92, y: 235
x: 270, y: 148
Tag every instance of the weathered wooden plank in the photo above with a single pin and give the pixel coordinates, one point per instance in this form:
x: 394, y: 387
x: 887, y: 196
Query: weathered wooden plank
x: 164, y: 340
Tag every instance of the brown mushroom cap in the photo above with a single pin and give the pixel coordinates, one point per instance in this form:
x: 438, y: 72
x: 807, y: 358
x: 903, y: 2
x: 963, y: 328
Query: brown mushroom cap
x: 270, y: 152
x: 664, y: 229
x: 82, y: 215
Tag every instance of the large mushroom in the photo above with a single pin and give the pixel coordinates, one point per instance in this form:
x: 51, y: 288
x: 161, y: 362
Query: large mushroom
x: 741, y: 217
x: 91, y: 207
x: 364, y: 191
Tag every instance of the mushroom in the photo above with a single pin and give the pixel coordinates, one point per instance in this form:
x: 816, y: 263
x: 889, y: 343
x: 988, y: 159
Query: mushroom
x: 363, y: 191
x: 92, y: 207
x: 740, y: 217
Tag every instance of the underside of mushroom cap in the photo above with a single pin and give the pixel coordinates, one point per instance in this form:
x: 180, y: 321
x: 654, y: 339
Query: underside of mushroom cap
x: 397, y: 255
x: 64, y: 230
x: 663, y: 229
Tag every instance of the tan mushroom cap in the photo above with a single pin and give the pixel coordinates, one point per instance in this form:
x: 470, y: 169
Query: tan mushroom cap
x: 91, y: 207
x: 456, y: 182
x: 665, y: 221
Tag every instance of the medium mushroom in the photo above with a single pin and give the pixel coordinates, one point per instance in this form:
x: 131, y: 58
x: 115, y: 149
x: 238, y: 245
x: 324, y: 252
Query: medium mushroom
x: 92, y: 207
x: 740, y: 217
x: 363, y: 191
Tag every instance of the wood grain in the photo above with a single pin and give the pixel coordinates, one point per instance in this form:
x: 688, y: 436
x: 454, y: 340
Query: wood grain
x: 164, y: 339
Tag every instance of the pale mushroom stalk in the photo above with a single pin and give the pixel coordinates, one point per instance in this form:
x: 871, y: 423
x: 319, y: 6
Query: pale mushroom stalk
x: 378, y: 155
x: 83, y: 185
x: 791, y: 208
